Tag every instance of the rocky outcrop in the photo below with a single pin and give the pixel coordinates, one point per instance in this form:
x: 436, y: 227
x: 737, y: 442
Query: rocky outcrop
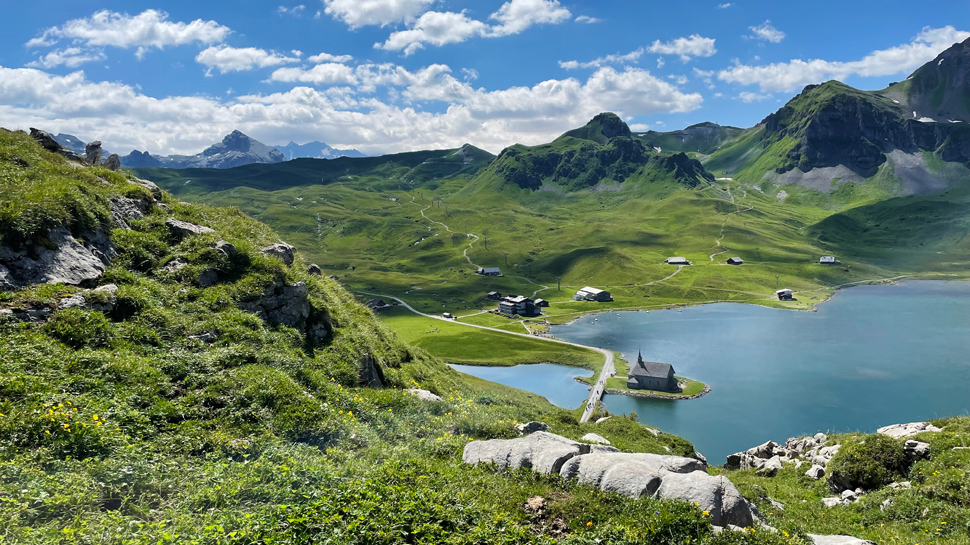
x: 281, y: 304
x: 47, y: 141
x: 541, y: 451
x: 369, y: 372
x: 900, y: 431
x: 916, y: 450
x: 64, y: 261
x: 113, y: 162
x: 770, y: 457
x: 92, y: 153
x: 181, y: 229
x: 280, y: 250
x: 102, y: 299
x: 423, y: 395
x: 631, y: 474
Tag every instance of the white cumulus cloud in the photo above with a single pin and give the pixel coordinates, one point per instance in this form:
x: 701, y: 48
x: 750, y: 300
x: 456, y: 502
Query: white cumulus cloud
x: 71, y: 57
x: 358, y: 13
x: 766, y: 32
x: 586, y: 19
x: 686, y: 48
x: 441, y: 28
x: 240, y: 59
x: 749, y: 97
x: 327, y: 57
x: 151, y: 28
x: 797, y: 73
x: 516, y: 16
x: 321, y: 74
x: 617, y: 58
x: 435, y: 28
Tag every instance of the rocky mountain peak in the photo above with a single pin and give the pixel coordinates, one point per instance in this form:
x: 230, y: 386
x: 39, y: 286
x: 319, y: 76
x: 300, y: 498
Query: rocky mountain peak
x: 610, y: 125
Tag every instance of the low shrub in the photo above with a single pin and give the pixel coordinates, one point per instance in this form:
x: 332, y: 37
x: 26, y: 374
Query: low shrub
x: 79, y: 328
x: 870, y: 464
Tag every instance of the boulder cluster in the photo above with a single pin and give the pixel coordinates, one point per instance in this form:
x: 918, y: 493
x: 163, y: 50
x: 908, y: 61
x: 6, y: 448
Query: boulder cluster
x: 631, y: 474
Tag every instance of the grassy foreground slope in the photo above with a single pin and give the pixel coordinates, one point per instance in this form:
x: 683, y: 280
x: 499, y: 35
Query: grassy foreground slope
x: 133, y: 426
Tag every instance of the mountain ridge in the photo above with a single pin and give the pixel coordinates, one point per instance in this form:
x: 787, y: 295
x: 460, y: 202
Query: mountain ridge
x: 235, y: 149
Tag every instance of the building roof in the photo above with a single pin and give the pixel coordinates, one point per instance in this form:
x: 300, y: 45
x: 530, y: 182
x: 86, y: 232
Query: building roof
x: 591, y: 291
x: 537, y: 301
x: 492, y: 293
x: 783, y: 290
x: 735, y: 260
x: 516, y: 299
x: 650, y: 369
x: 677, y: 258
x: 489, y: 269
x: 827, y: 258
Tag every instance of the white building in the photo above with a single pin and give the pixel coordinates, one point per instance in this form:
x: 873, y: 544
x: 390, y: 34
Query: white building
x: 593, y: 294
x: 829, y: 260
x: 677, y: 261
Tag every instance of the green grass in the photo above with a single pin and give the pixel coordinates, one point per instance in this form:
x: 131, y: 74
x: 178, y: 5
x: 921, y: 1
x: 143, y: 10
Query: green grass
x: 455, y: 343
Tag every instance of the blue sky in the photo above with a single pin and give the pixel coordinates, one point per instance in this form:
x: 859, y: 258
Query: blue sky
x: 396, y: 75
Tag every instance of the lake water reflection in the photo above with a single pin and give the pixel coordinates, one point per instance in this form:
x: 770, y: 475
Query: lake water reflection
x: 556, y: 382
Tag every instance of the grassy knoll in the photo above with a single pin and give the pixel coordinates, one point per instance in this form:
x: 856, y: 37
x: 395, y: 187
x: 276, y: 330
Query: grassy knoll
x: 456, y: 343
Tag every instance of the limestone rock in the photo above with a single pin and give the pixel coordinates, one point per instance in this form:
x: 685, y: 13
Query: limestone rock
x: 69, y: 262
x: 285, y: 304
x: 594, y: 438
x: 831, y: 502
x: 541, y: 451
x: 92, y: 153
x: 208, y: 277
x: 124, y: 209
x: 905, y: 485
x: 150, y: 186
x: 771, y: 467
x: 281, y: 250
x: 603, y: 419
x: 175, y: 265
x: 899, y: 431
x: 423, y: 395
x: 716, y: 495
x: 113, y: 162
x: 314, y: 269
x: 47, y: 141
x: 916, y: 450
x: 816, y: 472
x: 632, y: 475
x: 532, y: 427
x: 838, y: 540
x: 182, y: 229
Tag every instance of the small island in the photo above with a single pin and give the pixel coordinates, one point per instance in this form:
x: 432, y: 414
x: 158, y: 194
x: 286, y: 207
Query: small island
x: 653, y: 379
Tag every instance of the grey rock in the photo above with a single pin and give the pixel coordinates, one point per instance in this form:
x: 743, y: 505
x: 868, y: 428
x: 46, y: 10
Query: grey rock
x: 838, y: 540
x: 588, y: 466
x: 850, y: 495
x: 70, y: 262
x: 124, y: 209
x: 776, y: 504
x: 900, y: 431
x: 314, y: 269
x: 905, y: 485
x: 886, y: 504
x: 150, y: 186
x: 74, y: 301
x: 916, y: 450
x: 532, y: 427
x: 285, y: 304
x: 603, y: 419
x: 716, y: 495
x: 182, y: 229
x: 831, y: 502
x: 771, y: 467
x: 226, y: 248
x: 423, y: 395
x: 632, y: 475
x: 92, y: 153
x: 816, y: 472
x: 7, y: 281
x: 281, y: 250
x: 700, y: 457
x: 594, y: 438
x: 47, y: 141
x: 541, y: 451
x: 113, y: 162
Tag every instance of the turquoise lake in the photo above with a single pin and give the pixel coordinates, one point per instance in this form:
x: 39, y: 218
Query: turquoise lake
x: 557, y: 383
x: 871, y: 356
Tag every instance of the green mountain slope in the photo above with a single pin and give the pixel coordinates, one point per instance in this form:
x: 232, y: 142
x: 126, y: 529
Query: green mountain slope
x: 602, y: 152
x: 703, y: 138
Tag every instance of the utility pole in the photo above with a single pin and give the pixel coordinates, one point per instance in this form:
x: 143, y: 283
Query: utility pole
x: 559, y: 284
x: 506, y: 259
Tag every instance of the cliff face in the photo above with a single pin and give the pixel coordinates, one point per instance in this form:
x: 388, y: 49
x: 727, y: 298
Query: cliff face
x: 833, y: 124
x: 940, y: 89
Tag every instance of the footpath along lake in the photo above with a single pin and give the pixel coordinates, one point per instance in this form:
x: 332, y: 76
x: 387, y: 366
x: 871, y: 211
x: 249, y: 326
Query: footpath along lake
x: 871, y: 356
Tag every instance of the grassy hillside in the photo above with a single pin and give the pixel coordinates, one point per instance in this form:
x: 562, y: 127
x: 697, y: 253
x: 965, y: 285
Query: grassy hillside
x: 177, y: 417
